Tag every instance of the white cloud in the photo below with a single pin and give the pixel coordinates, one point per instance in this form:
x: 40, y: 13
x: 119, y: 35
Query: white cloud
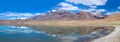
x: 109, y: 13
x: 54, y: 10
x: 119, y: 7
x: 38, y: 14
x: 13, y: 18
x: 93, y: 7
x: 95, y: 10
x: 67, y: 6
x: 88, y: 10
x: 101, y: 10
x: 22, y: 18
x: 88, y: 2
x: 16, y: 14
x: 13, y: 15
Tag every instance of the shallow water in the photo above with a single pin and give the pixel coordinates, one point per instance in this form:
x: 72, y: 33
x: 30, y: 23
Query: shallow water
x: 30, y: 34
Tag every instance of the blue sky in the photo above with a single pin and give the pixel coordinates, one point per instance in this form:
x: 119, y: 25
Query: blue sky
x: 31, y: 6
x: 19, y: 8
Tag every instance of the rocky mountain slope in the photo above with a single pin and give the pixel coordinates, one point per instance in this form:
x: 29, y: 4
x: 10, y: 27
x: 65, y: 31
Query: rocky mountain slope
x: 66, y: 15
x: 115, y: 16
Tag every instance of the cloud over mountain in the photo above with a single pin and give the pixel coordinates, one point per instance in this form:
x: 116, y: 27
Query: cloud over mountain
x: 88, y: 2
x: 67, y: 6
x: 119, y: 7
x: 13, y: 15
x: 76, y: 8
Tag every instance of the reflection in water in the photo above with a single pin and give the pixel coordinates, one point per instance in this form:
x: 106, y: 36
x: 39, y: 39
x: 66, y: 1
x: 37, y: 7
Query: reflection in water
x: 24, y: 34
x: 15, y: 29
x: 29, y: 34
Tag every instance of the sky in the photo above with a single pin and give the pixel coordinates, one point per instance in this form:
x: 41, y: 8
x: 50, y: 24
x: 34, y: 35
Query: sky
x: 16, y: 9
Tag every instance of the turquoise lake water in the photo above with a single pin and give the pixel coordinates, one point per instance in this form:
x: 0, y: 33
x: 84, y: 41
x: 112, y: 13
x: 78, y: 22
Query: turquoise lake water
x: 28, y: 34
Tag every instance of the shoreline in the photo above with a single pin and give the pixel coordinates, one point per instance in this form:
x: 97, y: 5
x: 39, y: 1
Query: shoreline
x: 67, y: 24
x: 112, y: 37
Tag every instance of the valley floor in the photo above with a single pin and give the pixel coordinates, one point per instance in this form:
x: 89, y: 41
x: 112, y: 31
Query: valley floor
x: 62, y: 22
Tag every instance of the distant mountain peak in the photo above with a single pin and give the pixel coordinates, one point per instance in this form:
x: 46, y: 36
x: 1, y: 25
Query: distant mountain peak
x: 65, y: 15
x: 115, y: 16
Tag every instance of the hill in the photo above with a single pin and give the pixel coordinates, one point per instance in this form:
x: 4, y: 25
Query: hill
x: 66, y: 15
x: 115, y: 17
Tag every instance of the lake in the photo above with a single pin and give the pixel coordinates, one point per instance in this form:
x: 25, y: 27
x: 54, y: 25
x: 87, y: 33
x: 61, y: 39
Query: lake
x: 46, y: 34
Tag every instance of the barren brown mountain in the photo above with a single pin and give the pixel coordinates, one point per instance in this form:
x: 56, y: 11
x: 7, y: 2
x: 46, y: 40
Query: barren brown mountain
x: 115, y: 16
x: 57, y: 15
x: 85, y: 16
x: 66, y: 15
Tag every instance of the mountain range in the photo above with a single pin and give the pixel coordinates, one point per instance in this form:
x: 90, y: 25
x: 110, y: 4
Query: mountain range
x: 114, y: 16
x: 66, y: 15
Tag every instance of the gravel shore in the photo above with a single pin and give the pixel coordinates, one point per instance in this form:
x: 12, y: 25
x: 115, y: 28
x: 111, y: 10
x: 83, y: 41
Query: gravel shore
x: 113, y: 37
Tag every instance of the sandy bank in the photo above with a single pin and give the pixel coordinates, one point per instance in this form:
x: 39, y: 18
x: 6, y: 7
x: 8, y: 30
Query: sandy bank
x: 113, y: 37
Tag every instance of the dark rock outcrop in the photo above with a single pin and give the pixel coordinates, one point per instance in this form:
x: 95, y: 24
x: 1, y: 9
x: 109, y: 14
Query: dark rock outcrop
x: 100, y: 16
